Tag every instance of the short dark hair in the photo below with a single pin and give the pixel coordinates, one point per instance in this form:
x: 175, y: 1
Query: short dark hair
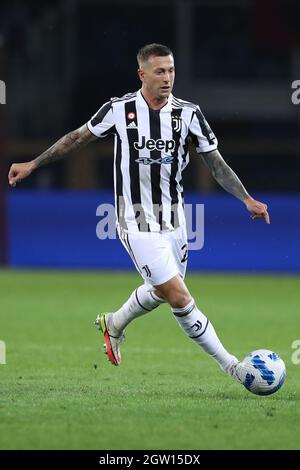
x: 152, y: 50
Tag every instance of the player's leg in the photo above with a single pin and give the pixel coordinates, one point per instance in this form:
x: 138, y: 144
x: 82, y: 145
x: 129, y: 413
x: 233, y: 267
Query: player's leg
x: 190, y: 318
x: 142, y: 300
x: 195, y: 324
x: 113, y: 324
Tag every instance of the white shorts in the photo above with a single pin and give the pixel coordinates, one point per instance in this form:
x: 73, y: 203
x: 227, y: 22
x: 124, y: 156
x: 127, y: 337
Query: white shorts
x: 158, y: 256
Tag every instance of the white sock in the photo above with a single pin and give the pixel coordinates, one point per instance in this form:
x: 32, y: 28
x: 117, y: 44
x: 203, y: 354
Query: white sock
x: 140, y: 302
x: 197, y: 327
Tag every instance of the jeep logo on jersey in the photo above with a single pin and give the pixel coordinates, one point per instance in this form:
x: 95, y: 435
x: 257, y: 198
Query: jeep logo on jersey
x: 151, y: 144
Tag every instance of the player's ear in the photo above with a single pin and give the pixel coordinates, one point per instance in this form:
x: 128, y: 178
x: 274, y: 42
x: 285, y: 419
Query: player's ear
x: 141, y: 74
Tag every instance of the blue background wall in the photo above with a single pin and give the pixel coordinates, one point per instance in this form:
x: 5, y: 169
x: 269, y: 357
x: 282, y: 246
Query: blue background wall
x: 58, y: 229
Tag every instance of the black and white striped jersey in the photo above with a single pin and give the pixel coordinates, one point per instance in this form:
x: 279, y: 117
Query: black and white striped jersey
x: 151, y: 152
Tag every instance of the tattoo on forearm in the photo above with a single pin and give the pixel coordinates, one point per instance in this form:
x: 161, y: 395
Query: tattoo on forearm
x: 224, y: 175
x: 67, y: 144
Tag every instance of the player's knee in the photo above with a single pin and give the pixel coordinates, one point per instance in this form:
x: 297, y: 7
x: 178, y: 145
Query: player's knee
x: 175, y: 293
x: 179, y: 299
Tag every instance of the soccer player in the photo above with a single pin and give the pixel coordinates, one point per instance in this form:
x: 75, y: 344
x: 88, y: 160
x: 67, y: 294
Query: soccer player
x: 152, y: 129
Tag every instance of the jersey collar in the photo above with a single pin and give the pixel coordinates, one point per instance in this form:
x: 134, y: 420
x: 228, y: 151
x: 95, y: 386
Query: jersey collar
x: 165, y: 108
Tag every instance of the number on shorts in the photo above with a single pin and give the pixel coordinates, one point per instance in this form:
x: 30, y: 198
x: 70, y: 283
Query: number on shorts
x: 184, y: 248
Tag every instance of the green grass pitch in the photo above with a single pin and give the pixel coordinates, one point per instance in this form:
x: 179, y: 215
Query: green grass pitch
x: 57, y: 390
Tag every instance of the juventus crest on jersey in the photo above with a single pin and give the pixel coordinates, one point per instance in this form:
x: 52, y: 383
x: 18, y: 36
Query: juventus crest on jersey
x: 151, y: 152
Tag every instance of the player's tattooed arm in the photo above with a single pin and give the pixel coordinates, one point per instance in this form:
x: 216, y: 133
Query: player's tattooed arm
x: 70, y: 142
x: 74, y: 140
x: 227, y: 178
x: 224, y: 175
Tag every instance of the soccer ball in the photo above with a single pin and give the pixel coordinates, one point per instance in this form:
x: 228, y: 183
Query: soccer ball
x: 263, y: 372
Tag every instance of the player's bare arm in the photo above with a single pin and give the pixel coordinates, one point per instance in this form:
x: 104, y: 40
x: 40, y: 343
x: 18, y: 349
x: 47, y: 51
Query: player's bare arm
x: 70, y: 142
x: 227, y: 178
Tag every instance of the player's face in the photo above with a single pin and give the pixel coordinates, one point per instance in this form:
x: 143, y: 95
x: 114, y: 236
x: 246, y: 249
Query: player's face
x: 157, y: 75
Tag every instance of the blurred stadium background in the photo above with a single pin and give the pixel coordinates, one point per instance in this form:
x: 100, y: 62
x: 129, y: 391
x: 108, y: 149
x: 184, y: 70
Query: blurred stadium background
x: 61, y: 60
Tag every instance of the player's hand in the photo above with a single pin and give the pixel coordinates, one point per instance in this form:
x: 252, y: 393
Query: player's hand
x: 19, y: 171
x: 258, y: 209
